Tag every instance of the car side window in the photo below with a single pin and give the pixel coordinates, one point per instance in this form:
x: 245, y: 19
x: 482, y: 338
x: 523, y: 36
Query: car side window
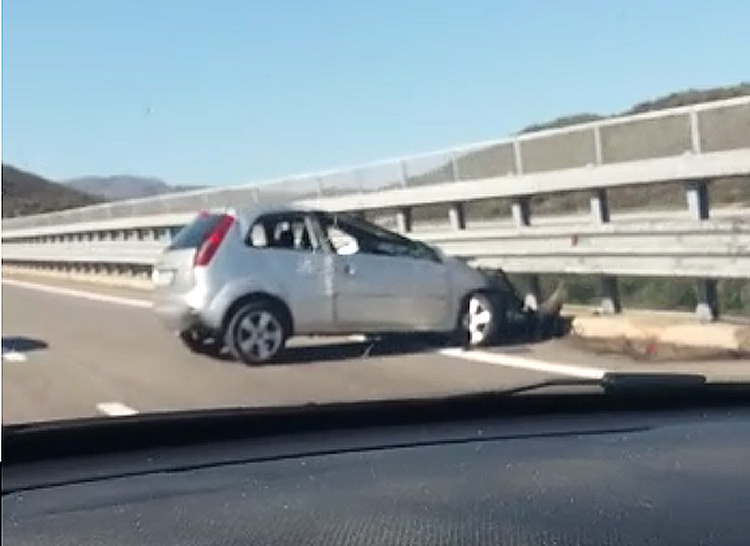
x: 350, y: 236
x: 341, y: 241
x: 282, y: 232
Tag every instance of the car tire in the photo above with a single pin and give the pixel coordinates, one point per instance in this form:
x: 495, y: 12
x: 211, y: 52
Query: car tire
x: 200, y: 344
x: 256, y: 333
x: 480, y: 319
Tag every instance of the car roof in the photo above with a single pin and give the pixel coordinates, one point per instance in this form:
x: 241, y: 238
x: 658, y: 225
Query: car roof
x: 250, y: 212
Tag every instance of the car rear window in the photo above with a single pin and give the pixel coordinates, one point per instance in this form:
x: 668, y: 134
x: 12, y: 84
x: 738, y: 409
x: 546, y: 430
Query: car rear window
x: 196, y: 232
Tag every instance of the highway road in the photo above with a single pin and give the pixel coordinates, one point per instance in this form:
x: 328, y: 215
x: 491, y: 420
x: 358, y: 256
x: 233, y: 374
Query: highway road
x: 80, y: 350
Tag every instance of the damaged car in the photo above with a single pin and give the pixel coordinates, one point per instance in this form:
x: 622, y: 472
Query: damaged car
x: 247, y: 280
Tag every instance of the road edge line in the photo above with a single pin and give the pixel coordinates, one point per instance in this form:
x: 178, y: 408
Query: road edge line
x: 115, y: 409
x: 513, y: 361
x: 93, y: 296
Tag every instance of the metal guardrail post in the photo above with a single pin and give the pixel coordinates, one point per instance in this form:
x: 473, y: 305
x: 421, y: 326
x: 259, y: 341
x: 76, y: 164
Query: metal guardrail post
x: 611, y: 302
x: 698, y: 199
x: 403, y: 219
x: 699, y: 205
x: 521, y: 210
x: 599, y: 207
x: 457, y: 216
x: 707, y: 309
x: 610, y: 294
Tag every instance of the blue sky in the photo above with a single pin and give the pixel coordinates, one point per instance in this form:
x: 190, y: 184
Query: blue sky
x: 231, y: 91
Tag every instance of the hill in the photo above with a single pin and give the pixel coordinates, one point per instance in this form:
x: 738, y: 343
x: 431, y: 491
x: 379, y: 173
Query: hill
x: 119, y: 187
x: 26, y: 193
x: 673, y: 100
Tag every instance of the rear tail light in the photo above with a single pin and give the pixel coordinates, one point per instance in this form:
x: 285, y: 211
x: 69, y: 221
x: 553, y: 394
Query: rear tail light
x: 209, y: 247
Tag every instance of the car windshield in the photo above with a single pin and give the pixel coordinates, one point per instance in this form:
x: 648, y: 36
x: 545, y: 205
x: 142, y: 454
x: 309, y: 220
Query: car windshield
x: 230, y: 205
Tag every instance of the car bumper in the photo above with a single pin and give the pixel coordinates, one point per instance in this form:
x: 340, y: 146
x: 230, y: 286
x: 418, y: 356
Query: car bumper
x: 176, y: 314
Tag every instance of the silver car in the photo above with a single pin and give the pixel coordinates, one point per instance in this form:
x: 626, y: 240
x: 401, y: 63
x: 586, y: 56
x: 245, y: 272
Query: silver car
x: 248, y: 280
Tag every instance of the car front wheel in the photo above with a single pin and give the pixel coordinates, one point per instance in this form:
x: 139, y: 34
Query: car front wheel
x: 256, y: 333
x: 480, y: 319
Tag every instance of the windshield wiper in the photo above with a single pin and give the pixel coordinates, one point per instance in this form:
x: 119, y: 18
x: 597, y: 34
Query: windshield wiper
x: 625, y: 383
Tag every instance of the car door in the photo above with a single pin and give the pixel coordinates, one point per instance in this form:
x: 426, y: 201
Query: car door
x: 382, y: 281
x: 288, y: 256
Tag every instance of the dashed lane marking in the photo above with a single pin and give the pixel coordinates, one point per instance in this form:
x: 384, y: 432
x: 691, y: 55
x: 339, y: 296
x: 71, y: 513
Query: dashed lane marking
x: 513, y: 361
x: 14, y: 356
x: 115, y: 409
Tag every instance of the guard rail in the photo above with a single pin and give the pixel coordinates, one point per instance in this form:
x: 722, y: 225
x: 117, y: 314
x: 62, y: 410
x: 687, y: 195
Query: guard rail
x: 691, y: 145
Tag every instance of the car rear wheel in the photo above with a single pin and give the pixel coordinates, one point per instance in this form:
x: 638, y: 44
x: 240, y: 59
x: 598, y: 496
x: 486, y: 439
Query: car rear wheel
x: 256, y: 333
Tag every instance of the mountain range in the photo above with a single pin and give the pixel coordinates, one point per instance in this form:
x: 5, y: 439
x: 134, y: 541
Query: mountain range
x: 118, y: 187
x: 27, y: 193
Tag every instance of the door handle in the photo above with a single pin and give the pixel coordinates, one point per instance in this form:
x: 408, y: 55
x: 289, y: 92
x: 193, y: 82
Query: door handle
x: 349, y: 269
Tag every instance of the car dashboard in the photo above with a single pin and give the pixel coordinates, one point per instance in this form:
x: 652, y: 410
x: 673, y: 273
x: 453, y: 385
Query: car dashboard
x: 636, y: 477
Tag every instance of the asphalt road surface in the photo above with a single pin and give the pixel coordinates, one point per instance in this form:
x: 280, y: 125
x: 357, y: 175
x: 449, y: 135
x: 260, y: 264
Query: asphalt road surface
x: 71, y: 353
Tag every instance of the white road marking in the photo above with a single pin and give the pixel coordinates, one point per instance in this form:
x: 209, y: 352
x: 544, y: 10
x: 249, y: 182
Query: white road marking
x: 131, y: 302
x: 115, y: 409
x: 513, y: 361
x: 14, y: 356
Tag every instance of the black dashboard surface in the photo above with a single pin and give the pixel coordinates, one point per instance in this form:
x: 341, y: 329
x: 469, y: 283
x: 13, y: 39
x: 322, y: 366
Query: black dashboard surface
x: 645, y: 478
